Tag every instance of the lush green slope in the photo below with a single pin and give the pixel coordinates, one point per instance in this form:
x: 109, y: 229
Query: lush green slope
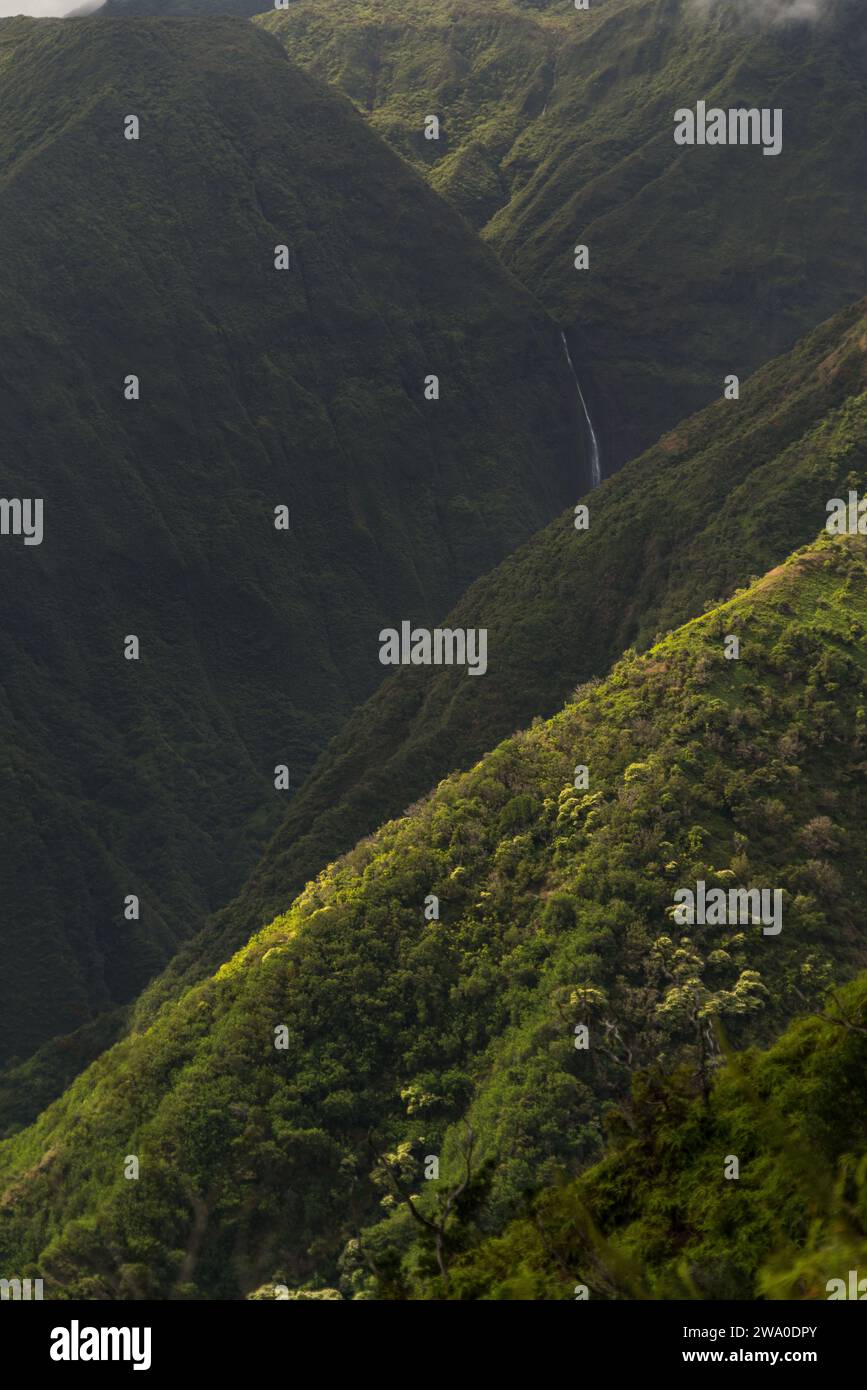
x: 486, y: 72
x: 658, y: 1218
x: 259, y: 388
x: 724, y: 497
x: 557, y: 129
x: 396, y: 1031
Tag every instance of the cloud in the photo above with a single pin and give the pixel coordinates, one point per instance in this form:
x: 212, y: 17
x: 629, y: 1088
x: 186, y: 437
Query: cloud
x: 47, y: 9
x: 768, y: 11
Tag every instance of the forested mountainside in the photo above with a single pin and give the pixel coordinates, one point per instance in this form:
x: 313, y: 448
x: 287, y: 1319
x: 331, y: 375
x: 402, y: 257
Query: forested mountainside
x: 556, y: 131
x: 167, y: 388
x: 724, y: 497
x: 423, y: 998
x: 657, y: 1216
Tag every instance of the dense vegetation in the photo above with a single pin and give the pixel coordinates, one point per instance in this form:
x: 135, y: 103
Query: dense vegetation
x: 726, y: 496
x: 658, y: 1218
x: 274, y: 1105
x: 478, y: 1056
x: 557, y: 129
x: 258, y: 388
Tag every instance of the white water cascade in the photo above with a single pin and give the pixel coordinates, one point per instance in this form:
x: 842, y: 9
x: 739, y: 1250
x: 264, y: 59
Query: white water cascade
x: 595, y: 463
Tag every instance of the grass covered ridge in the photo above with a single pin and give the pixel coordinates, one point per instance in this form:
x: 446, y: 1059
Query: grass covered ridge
x: 400, y: 1032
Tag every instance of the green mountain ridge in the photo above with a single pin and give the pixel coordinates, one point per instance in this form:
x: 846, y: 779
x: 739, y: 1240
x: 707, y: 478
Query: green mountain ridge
x: 258, y: 388
x: 727, y: 495
x: 396, y: 1031
x: 557, y: 130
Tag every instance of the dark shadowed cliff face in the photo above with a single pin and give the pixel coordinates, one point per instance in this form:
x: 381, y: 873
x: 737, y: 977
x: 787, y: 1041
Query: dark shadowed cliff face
x: 257, y: 388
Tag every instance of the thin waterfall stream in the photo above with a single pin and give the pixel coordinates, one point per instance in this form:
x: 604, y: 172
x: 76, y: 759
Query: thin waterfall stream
x: 595, y: 462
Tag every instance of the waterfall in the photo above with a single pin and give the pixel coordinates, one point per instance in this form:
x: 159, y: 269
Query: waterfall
x: 595, y: 464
